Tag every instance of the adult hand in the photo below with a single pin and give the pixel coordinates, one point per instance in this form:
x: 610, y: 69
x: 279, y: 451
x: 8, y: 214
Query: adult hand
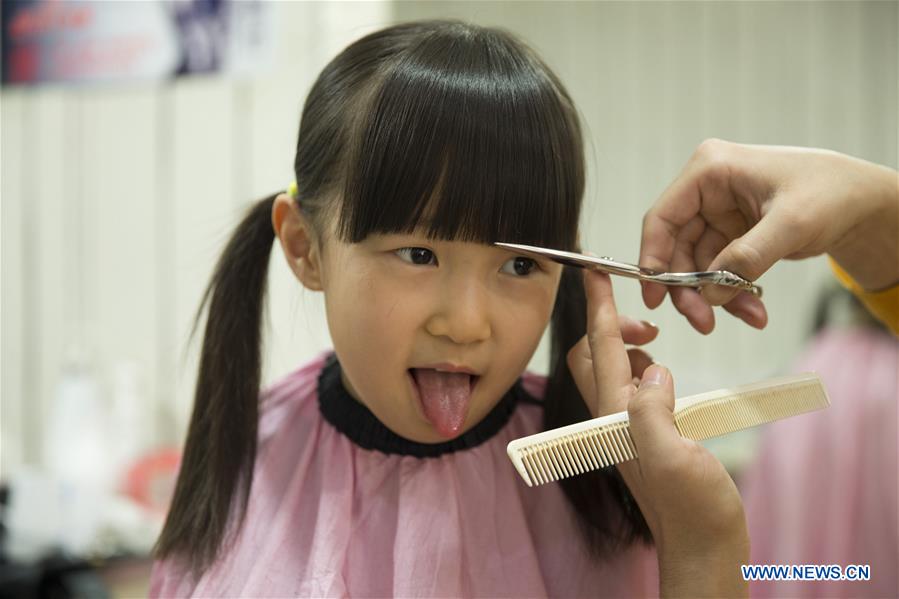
x: 689, y: 501
x: 743, y: 207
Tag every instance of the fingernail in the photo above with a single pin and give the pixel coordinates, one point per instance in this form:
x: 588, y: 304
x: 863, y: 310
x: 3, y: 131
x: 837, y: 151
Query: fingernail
x: 650, y: 324
x: 655, y: 374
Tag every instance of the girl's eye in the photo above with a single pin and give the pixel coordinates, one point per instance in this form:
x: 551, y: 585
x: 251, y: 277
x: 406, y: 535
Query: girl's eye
x: 420, y: 256
x: 522, y: 266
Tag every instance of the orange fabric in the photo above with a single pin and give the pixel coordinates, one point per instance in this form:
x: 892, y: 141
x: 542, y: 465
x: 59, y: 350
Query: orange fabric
x: 884, y: 305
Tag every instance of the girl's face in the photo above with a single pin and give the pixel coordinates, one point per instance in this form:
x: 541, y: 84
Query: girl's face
x: 397, y: 302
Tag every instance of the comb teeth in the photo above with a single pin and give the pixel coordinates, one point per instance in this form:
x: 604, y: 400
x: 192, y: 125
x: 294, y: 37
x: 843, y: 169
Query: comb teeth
x: 601, y: 442
x: 578, y: 453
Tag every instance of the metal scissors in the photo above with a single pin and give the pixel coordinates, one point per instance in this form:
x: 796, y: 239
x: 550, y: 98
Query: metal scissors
x: 606, y: 264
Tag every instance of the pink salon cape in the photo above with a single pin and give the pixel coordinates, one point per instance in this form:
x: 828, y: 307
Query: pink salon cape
x: 823, y: 489
x: 328, y: 518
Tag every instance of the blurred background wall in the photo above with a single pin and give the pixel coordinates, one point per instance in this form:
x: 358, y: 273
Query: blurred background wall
x: 117, y: 199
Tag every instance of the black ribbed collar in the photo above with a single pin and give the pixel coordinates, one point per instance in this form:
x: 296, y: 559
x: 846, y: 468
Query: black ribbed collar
x: 364, y: 429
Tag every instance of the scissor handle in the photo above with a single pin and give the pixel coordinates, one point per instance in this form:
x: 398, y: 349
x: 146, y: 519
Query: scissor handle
x: 708, y: 277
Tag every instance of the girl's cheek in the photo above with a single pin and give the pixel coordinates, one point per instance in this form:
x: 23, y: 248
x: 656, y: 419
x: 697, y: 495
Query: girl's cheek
x: 392, y: 300
x: 535, y: 302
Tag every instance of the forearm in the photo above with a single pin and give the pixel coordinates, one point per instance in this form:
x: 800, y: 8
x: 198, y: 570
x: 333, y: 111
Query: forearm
x: 870, y: 252
x: 715, y: 573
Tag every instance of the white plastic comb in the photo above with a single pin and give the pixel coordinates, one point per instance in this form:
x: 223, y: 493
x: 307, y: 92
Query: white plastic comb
x: 604, y: 441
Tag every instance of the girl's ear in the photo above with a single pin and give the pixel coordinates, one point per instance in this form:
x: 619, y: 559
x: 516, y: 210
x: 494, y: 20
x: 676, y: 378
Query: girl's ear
x: 298, y: 242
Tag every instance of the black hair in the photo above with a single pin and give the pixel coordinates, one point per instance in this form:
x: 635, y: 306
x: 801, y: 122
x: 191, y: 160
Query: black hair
x: 456, y: 127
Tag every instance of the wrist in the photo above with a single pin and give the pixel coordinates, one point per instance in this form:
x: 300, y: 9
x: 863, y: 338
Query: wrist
x: 731, y: 545
x: 709, y: 570
x: 705, y: 563
x: 869, y: 253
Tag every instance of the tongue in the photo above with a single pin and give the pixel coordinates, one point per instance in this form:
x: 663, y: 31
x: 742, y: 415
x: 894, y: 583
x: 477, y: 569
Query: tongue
x: 445, y: 397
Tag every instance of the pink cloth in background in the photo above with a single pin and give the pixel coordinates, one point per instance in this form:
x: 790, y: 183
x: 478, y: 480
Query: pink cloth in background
x: 824, y: 487
x: 327, y: 518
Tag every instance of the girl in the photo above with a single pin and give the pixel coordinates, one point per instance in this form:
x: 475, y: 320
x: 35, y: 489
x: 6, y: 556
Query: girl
x: 379, y: 469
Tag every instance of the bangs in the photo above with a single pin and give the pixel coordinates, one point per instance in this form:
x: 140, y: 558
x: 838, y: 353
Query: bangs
x: 466, y: 136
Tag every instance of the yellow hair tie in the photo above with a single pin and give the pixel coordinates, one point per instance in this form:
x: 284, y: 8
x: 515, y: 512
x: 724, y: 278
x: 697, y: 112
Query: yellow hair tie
x: 292, y: 189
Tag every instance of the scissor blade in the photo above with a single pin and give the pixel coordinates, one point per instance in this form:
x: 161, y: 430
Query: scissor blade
x: 575, y: 259
x: 681, y: 279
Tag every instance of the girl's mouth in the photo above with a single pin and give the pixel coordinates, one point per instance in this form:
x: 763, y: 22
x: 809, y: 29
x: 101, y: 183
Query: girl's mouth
x: 444, y: 398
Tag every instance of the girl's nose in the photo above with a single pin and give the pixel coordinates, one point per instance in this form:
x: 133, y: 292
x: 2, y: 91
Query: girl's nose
x: 462, y: 312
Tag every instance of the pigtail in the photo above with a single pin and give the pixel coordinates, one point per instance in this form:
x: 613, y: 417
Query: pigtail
x: 217, y: 465
x: 606, y: 510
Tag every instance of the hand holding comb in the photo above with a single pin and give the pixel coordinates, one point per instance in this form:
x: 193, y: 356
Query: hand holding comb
x: 605, y: 441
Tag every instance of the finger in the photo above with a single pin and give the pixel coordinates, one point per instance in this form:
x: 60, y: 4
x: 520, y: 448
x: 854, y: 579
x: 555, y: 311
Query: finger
x: 653, y: 293
x: 651, y: 422
x: 580, y: 363
x: 698, y: 312
x: 651, y: 415
x: 745, y: 306
x: 687, y: 301
x: 755, y: 252
x: 708, y: 247
x: 718, y: 295
x: 611, y: 369
x: 679, y: 203
x: 637, y: 332
x: 748, y: 308
x: 640, y: 361
x: 580, y: 359
x: 656, y: 250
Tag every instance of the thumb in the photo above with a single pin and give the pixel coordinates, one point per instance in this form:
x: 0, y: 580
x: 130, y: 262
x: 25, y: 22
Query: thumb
x: 752, y: 254
x: 651, y: 414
